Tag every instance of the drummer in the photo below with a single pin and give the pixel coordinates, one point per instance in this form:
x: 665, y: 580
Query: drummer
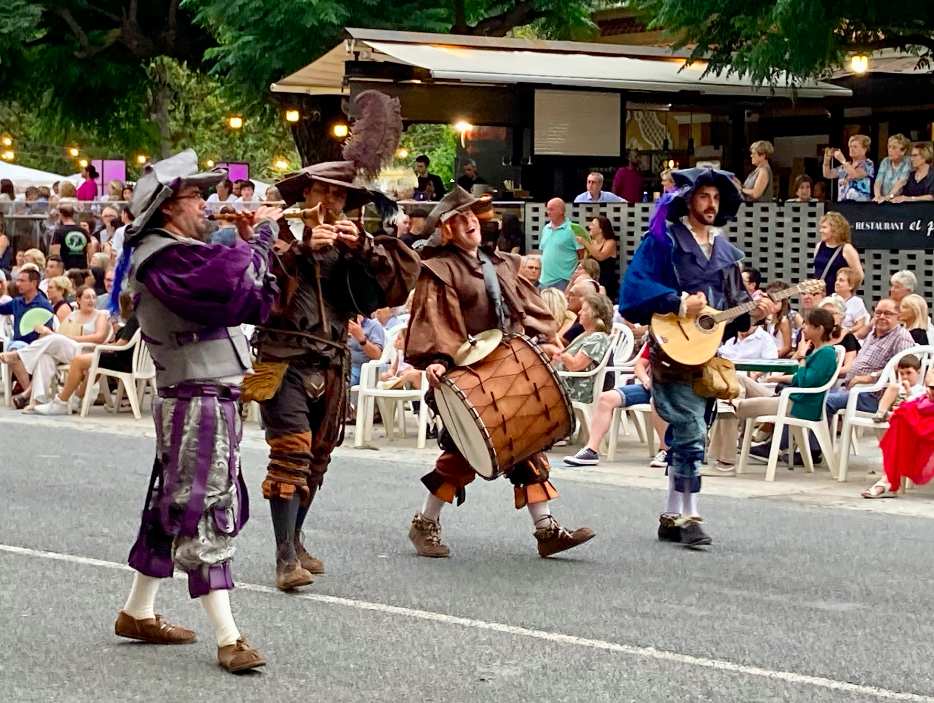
x: 465, y: 289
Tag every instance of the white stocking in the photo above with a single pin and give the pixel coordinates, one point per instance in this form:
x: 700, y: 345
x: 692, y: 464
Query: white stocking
x: 217, y: 606
x: 674, y: 498
x: 432, y: 508
x: 142, y: 598
x: 690, y: 505
x: 539, y: 513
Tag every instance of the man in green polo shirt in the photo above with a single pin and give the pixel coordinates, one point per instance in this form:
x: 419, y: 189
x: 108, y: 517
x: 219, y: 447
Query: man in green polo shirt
x: 560, y: 249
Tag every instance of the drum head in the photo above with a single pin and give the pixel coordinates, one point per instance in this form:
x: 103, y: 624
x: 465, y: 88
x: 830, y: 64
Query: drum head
x: 465, y: 430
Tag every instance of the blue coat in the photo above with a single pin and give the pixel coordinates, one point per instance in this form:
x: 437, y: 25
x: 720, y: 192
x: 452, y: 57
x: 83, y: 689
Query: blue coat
x: 666, y: 266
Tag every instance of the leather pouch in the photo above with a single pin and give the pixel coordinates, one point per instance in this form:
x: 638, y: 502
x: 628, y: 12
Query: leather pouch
x: 264, y: 382
x: 717, y: 380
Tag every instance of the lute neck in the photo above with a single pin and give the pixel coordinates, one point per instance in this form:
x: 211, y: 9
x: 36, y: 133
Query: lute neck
x: 731, y: 314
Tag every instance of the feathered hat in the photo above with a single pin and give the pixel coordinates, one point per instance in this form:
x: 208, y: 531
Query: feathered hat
x: 373, y: 141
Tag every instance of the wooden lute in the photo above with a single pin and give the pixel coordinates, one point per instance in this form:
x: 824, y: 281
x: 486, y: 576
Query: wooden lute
x: 693, y: 341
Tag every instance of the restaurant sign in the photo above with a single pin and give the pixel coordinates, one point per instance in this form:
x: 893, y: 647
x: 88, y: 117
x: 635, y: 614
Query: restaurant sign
x: 889, y: 225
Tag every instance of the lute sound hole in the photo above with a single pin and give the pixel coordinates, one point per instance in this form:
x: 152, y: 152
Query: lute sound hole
x: 706, y: 323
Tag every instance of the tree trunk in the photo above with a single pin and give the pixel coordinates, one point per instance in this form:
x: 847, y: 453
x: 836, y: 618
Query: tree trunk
x: 161, y: 97
x: 313, y: 134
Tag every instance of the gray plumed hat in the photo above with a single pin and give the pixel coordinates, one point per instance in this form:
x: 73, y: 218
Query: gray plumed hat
x: 162, y: 181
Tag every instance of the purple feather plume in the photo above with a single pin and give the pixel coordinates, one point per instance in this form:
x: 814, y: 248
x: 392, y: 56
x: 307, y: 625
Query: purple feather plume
x: 375, y: 135
x: 658, y: 227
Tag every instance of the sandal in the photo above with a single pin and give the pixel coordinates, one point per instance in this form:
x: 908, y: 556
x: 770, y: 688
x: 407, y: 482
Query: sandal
x: 20, y: 400
x: 882, y: 492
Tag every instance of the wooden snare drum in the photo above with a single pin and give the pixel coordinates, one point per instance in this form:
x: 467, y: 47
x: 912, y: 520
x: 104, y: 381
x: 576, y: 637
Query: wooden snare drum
x: 505, y: 407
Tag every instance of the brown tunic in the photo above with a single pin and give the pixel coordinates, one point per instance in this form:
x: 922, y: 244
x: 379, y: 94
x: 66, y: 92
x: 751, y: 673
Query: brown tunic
x: 451, y: 302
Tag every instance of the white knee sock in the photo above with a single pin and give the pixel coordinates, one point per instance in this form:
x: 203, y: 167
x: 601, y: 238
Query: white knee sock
x: 690, y: 505
x: 217, y: 606
x: 432, y: 507
x: 539, y: 513
x: 674, y: 498
x: 142, y: 598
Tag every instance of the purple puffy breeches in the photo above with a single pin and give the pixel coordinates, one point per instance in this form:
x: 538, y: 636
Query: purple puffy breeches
x: 197, y: 501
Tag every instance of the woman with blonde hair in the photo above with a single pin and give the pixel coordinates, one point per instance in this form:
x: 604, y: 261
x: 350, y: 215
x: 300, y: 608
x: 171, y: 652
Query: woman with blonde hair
x: 894, y: 169
x: 668, y: 182
x: 558, y: 306
x: 34, y: 256
x: 58, y: 291
x: 114, y: 191
x: 920, y: 185
x: 758, y: 186
x: 854, y: 174
x: 834, y: 251
x: 589, y: 348
x: 913, y: 313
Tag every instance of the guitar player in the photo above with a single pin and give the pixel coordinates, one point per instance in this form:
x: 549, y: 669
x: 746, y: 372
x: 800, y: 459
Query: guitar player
x: 684, y: 264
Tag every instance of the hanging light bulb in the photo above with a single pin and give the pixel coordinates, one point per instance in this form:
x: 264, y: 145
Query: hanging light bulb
x: 7, y: 140
x: 339, y: 130
x: 83, y: 163
x: 291, y: 115
x: 859, y: 63
x: 463, y: 127
x: 141, y: 159
x: 403, y: 153
x: 8, y: 155
x: 74, y: 151
x: 235, y: 122
x: 209, y: 163
x: 281, y: 164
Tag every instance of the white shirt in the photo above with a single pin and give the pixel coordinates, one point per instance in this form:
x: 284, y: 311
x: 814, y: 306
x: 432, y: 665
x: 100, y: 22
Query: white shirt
x: 855, y: 311
x: 758, y: 345
x: 212, y: 198
x: 116, y: 242
x: 252, y: 204
x: 605, y: 197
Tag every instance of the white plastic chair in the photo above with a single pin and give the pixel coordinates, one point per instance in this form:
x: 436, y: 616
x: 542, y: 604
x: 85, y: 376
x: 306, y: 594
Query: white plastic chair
x: 6, y: 335
x: 797, y: 428
x: 854, y: 420
x: 369, y: 394
x: 586, y: 410
x: 143, y: 371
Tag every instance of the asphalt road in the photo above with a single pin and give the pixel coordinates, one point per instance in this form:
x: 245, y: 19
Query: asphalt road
x: 790, y: 604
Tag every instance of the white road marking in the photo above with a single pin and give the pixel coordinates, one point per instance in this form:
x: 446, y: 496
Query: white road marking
x: 560, y: 638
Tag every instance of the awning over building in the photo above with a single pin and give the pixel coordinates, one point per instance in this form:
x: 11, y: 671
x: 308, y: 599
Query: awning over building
x: 473, y: 60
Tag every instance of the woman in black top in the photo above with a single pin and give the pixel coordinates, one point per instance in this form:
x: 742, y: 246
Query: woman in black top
x: 920, y: 185
x: 603, y: 248
x: 913, y: 313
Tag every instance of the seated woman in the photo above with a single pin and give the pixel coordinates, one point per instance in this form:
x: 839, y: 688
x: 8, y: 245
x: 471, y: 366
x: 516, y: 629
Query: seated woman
x: 778, y: 322
x: 41, y: 358
x: 835, y: 305
x: 58, y: 291
x: 913, y: 313
x: 589, y: 348
x: 817, y: 369
x: 908, y: 445
x: 558, y: 306
x: 76, y: 381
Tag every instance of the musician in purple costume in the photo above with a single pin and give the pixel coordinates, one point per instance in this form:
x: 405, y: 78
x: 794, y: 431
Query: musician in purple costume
x: 685, y: 263
x: 190, y: 298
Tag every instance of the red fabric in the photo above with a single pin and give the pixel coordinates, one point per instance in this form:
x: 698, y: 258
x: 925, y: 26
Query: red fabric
x: 627, y: 184
x: 908, y: 444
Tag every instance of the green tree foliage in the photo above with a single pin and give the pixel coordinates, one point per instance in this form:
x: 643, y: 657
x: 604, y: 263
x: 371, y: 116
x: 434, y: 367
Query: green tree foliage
x: 805, y: 38
x: 436, y: 141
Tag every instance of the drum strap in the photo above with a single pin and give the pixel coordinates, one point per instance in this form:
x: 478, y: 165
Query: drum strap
x: 491, y: 283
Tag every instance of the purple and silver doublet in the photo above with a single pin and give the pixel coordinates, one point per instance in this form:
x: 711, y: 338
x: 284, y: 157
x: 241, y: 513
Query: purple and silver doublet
x: 197, y: 501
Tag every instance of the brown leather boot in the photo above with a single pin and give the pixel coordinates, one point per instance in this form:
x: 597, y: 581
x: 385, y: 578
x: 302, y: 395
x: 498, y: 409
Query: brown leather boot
x: 426, y: 536
x: 154, y: 630
x: 289, y: 573
x: 239, y: 657
x: 309, y: 563
x: 554, y: 538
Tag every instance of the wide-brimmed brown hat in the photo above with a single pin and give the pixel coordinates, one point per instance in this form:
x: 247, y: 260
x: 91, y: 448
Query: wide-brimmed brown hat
x: 456, y: 201
x: 339, y: 173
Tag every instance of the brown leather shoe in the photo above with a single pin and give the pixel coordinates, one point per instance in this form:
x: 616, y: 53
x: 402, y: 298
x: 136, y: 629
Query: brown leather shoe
x: 239, y: 657
x: 426, y: 536
x: 154, y: 630
x: 291, y: 576
x: 308, y: 562
x: 554, y: 538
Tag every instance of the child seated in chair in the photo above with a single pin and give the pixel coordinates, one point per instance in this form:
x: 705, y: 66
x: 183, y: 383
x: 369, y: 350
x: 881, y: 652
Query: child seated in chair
x: 909, y: 387
x: 400, y: 375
